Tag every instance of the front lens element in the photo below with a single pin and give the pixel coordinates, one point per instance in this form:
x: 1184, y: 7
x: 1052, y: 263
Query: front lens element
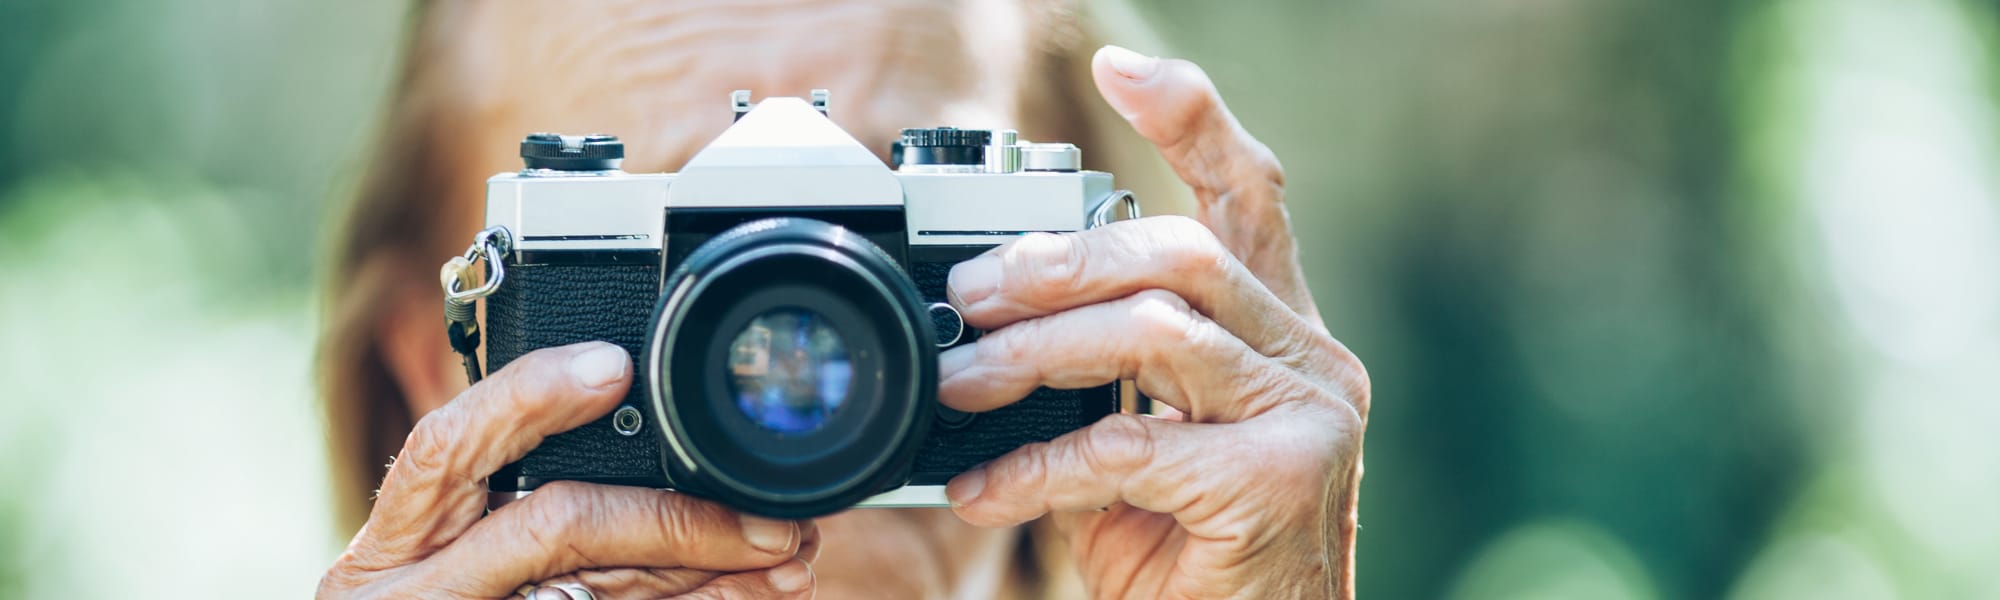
x: 788, y: 371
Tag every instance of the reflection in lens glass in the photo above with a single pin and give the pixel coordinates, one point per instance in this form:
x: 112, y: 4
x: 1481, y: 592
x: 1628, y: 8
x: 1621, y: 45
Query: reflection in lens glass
x: 789, y: 371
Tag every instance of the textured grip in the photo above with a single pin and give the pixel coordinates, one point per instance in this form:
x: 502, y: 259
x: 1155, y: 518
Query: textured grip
x: 554, y: 305
x: 931, y: 277
x: 1042, y: 416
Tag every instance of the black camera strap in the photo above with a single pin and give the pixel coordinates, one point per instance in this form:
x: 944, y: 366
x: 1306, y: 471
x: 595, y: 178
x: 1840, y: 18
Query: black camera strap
x: 464, y: 337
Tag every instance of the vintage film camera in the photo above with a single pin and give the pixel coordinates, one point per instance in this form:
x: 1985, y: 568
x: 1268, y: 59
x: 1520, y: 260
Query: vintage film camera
x: 783, y: 297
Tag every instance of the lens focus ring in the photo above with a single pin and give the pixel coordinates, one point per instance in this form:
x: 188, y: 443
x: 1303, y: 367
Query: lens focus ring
x: 793, y: 369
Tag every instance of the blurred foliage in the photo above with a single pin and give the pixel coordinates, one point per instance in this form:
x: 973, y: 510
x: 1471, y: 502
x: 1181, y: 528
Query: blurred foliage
x: 1660, y: 299
x: 1520, y: 215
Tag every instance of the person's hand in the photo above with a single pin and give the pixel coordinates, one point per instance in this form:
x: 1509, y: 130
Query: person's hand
x: 427, y: 538
x: 1251, y: 490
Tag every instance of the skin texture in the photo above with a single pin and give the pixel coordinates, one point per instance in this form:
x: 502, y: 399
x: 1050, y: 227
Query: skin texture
x: 1248, y: 490
x: 427, y: 535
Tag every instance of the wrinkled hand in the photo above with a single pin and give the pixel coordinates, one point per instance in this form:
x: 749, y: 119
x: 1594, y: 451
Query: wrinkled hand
x: 1251, y: 492
x: 427, y: 539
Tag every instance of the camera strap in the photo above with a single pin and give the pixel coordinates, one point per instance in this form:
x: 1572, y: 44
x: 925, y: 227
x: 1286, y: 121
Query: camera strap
x: 461, y: 298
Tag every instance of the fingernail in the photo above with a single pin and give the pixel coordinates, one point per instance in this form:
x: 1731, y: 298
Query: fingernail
x: 964, y: 488
x: 794, y: 576
x: 973, y: 280
x: 769, y: 535
x: 1132, y: 65
x: 600, y: 366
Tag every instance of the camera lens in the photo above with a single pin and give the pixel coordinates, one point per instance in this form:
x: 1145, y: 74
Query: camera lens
x: 788, y: 371
x: 793, y: 369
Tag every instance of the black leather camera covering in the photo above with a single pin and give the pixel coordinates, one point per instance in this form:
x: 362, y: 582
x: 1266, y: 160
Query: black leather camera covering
x: 553, y: 305
x: 558, y: 304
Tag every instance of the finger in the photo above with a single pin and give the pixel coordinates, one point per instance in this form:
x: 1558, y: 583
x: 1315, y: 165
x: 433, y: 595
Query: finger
x: 568, y: 526
x: 1133, y: 452
x: 794, y: 579
x: 607, y: 584
x: 1175, y: 355
x: 435, y: 489
x: 1218, y: 480
x: 1043, y: 274
x: 1237, y: 179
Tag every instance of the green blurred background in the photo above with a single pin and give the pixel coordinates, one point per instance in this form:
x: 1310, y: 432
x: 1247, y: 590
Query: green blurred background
x: 1661, y: 298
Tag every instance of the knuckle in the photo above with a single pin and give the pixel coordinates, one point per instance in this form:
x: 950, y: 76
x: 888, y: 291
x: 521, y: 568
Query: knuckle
x: 1009, y: 345
x: 1307, y: 450
x: 567, y: 510
x: 1047, y: 263
x: 1199, y: 78
x: 1262, y: 161
x: 1338, y: 369
x: 559, y: 524
x: 542, y: 538
x: 1120, y: 443
x: 1205, y: 101
x: 1190, y: 250
x: 1182, y: 128
x: 1358, y: 387
x: 426, y: 450
x: 1249, y: 164
x: 684, y: 518
x: 1027, y: 466
x: 1273, y: 386
x: 1162, y: 318
x: 552, y: 511
x: 1290, y: 473
x: 1178, y: 226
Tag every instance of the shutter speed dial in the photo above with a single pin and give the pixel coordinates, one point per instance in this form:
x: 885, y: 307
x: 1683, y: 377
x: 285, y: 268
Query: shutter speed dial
x: 939, y: 146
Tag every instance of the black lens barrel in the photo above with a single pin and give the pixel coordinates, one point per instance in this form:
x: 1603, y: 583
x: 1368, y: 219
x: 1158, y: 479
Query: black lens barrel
x: 712, y: 448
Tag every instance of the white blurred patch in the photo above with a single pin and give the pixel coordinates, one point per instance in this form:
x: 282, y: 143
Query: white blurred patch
x: 1895, y: 128
x: 1827, y: 567
x: 1554, y: 560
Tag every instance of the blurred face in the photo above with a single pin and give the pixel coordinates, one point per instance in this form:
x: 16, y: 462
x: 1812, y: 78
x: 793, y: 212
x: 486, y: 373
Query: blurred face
x: 659, y: 75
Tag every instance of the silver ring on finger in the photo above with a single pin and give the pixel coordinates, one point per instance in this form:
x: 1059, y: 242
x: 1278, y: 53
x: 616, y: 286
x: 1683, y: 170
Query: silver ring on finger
x: 571, y: 590
x: 576, y: 591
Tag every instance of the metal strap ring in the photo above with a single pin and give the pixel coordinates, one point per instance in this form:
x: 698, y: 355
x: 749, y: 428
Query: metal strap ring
x: 491, y: 244
x: 1102, y: 216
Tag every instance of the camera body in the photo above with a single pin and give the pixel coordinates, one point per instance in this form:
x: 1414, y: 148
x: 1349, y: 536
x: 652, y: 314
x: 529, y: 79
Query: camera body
x: 783, y: 297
